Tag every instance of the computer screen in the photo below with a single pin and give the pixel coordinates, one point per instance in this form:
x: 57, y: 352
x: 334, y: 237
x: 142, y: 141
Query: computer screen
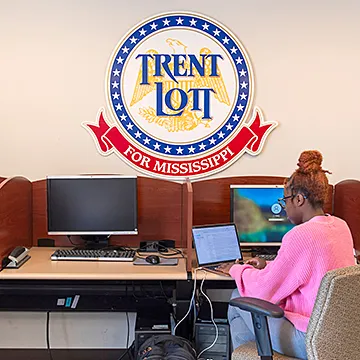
x: 92, y: 205
x: 216, y: 243
x: 259, y: 218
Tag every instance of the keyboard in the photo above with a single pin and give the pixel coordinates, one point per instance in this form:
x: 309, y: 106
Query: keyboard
x: 268, y: 257
x: 93, y: 255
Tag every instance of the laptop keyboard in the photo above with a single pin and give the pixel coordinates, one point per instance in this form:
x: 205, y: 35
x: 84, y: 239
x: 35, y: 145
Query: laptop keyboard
x: 211, y: 267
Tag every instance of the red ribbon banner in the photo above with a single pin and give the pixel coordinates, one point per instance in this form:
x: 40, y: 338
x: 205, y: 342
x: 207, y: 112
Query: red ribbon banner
x: 250, y: 138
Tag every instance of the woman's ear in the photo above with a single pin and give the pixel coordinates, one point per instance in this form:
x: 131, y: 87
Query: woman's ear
x: 300, y: 199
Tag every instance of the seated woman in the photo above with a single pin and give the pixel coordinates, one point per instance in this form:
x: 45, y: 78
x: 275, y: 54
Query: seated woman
x: 319, y: 243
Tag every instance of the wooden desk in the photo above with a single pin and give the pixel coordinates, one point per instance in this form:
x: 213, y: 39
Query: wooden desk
x: 40, y: 267
x: 100, y: 286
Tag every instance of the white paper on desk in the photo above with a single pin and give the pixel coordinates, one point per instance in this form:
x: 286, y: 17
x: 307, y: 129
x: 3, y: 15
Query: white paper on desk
x: 163, y: 262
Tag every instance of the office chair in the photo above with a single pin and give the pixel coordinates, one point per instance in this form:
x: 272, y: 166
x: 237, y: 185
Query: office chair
x: 334, y: 328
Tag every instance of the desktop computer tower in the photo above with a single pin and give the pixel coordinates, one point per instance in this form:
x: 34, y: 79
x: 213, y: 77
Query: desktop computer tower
x: 147, y: 326
x: 204, y: 337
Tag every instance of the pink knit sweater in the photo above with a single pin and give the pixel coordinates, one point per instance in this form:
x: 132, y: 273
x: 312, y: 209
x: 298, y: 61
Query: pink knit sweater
x: 292, y: 280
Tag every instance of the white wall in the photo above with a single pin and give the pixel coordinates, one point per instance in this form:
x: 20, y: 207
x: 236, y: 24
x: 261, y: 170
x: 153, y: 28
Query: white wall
x: 53, y: 58
x: 54, y: 55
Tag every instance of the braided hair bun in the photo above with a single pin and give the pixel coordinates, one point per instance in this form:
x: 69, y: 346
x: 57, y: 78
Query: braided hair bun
x: 310, y: 162
x: 310, y: 178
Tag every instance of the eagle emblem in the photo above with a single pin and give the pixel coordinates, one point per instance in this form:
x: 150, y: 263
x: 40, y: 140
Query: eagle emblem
x: 189, y: 118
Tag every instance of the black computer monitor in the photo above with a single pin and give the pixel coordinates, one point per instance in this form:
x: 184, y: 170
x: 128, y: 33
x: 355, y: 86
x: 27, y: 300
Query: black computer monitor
x: 93, y: 206
x: 259, y: 219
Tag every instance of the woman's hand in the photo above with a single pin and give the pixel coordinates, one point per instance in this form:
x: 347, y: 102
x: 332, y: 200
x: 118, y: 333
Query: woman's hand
x: 225, y: 268
x: 257, y: 263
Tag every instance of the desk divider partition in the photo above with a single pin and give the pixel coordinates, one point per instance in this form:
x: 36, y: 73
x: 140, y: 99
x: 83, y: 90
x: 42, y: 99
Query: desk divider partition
x: 188, y: 221
x: 347, y: 207
x: 15, y: 214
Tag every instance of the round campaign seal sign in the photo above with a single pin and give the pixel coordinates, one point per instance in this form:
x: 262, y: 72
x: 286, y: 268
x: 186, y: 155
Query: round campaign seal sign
x: 180, y: 88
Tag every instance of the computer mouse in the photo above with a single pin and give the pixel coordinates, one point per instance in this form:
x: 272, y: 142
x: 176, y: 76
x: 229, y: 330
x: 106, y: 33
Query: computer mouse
x: 152, y: 259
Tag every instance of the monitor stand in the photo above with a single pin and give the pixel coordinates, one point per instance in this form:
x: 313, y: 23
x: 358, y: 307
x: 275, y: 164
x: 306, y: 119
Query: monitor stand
x: 94, y: 242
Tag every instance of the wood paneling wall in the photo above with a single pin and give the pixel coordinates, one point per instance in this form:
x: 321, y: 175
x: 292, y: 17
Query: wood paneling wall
x: 15, y: 214
x: 347, y: 206
x: 159, y: 214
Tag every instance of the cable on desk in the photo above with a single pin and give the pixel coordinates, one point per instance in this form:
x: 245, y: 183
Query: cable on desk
x: 48, y: 334
x: 174, y: 252
x: 161, y: 249
x: 69, y: 238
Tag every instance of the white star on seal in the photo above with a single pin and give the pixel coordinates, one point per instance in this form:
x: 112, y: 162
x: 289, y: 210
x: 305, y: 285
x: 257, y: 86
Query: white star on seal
x: 193, y: 22
x: 153, y: 26
x: 133, y: 40
x: 205, y: 26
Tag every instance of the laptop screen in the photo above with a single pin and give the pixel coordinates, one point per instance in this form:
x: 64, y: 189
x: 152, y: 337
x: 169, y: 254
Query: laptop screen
x: 216, y: 243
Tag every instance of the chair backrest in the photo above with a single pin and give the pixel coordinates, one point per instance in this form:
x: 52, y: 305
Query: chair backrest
x: 334, y: 328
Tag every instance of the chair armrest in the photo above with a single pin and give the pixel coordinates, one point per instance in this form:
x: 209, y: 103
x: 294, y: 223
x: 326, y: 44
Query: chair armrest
x: 258, y: 306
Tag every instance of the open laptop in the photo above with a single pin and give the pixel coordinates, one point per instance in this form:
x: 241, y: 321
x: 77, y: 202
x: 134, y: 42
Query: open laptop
x: 216, y: 244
